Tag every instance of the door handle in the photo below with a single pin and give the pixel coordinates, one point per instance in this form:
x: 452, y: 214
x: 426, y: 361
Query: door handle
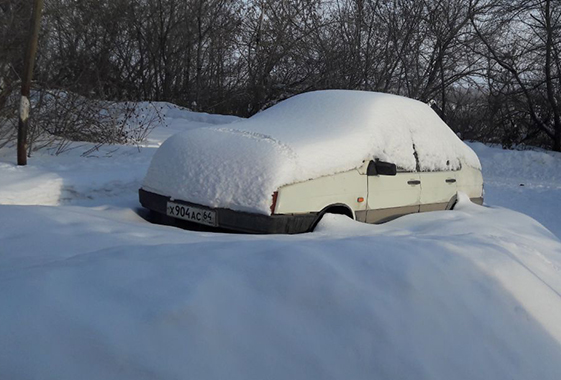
x: 450, y: 180
x: 415, y: 182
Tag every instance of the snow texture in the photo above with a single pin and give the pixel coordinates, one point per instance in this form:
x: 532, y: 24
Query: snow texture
x: 98, y: 293
x: 307, y: 136
x: 528, y: 181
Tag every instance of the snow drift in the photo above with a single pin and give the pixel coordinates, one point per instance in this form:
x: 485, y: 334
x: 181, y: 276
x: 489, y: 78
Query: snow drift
x: 99, y: 294
x: 307, y: 136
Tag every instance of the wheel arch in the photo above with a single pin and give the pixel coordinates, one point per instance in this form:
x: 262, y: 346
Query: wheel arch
x: 335, y: 208
x: 452, y: 202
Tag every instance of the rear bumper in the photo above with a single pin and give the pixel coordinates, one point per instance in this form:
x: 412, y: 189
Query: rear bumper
x: 237, y: 220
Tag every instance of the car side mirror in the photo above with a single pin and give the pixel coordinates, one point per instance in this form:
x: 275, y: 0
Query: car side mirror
x: 381, y: 168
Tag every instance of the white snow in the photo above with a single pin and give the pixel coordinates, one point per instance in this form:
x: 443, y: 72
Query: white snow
x: 526, y: 181
x: 105, y: 175
x: 90, y: 290
x: 307, y: 136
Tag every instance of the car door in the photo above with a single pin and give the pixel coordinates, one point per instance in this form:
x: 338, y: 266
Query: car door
x: 437, y: 189
x: 390, y: 196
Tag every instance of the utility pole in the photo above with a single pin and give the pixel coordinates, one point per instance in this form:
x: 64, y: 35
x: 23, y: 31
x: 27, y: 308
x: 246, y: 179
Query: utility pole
x: 25, y: 105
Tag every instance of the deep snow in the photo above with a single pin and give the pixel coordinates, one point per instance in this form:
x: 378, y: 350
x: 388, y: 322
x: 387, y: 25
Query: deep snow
x: 90, y: 290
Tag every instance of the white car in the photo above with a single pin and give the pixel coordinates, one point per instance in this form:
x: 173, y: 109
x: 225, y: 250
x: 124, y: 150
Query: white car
x: 370, y: 156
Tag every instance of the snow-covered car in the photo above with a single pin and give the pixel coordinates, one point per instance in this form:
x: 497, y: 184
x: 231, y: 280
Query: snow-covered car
x: 370, y: 156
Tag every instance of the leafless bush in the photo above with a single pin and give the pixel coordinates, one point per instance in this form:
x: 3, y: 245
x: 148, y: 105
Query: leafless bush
x: 61, y: 118
x: 8, y: 120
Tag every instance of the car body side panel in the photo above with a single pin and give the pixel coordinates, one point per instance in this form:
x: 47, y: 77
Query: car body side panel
x: 470, y: 182
x: 392, y: 196
x: 387, y: 214
x: 437, y: 188
x: 388, y: 196
x: 316, y: 194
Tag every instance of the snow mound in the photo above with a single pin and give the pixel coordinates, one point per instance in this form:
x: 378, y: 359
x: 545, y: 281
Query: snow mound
x: 522, y: 166
x: 177, y: 119
x: 28, y: 186
x: 307, y: 136
x: 176, y: 112
x: 528, y: 181
x: 95, y: 293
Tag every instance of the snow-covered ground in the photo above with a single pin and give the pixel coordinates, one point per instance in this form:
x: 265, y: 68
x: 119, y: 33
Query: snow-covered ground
x: 90, y: 290
x: 525, y: 181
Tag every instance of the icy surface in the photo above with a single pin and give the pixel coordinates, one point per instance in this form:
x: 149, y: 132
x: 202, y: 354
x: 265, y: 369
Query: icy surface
x: 307, y: 136
x: 90, y: 290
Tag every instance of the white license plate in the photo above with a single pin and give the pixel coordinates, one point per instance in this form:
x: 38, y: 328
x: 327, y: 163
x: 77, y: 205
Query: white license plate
x: 192, y: 214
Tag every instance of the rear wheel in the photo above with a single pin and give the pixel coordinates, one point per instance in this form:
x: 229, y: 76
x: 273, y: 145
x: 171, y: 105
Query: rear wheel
x: 337, y: 210
x: 452, y: 203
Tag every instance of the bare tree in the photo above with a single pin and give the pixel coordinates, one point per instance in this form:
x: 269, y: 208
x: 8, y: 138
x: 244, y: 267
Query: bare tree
x: 523, y: 49
x: 491, y: 68
x: 28, y: 65
x: 14, y: 30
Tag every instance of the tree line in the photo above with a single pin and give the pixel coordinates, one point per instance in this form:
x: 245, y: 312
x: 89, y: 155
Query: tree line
x: 490, y: 68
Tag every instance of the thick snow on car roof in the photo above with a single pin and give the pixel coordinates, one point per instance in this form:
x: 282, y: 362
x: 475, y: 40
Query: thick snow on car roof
x: 240, y: 165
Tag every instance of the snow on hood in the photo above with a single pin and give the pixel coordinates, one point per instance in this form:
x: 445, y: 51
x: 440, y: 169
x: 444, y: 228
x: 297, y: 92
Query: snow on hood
x: 319, y: 133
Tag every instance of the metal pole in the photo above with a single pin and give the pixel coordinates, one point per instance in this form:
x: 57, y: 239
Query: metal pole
x: 25, y: 105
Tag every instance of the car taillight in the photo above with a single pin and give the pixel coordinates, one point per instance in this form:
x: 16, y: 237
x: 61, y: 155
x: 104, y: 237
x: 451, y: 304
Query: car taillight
x: 274, y: 204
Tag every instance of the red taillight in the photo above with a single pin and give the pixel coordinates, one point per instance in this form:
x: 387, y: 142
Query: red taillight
x: 274, y: 204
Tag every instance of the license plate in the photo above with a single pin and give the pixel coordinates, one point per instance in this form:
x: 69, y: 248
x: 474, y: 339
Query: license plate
x: 192, y: 214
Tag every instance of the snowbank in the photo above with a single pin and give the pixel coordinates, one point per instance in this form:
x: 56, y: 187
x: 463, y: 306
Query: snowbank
x: 528, y: 181
x: 182, y: 114
x: 307, y: 136
x: 99, y: 294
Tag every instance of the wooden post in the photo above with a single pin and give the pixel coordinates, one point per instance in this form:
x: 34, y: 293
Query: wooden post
x: 25, y: 105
